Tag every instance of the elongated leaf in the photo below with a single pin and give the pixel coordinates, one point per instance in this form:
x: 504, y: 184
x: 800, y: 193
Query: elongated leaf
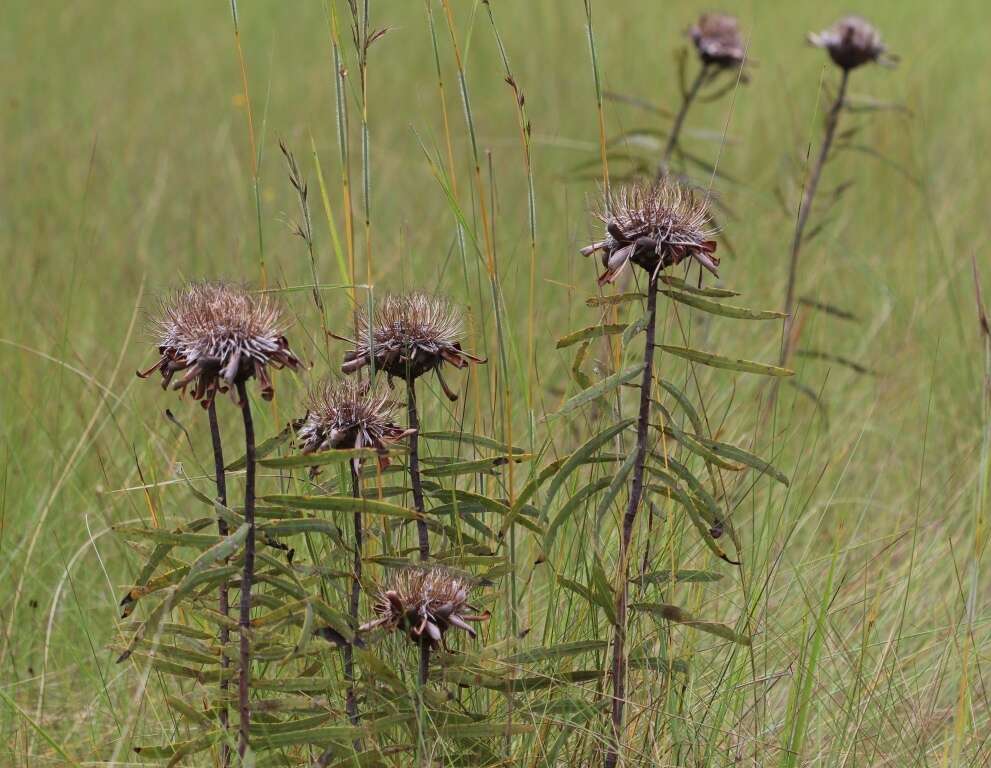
x: 731, y: 364
x: 681, y: 616
x: 484, y: 730
x: 680, y: 577
x: 602, y: 589
x: 474, y: 467
x: 598, y: 390
x: 732, y: 452
x: 635, y: 328
x: 570, y: 506
x: 181, y: 749
x: 343, y: 504
x: 467, y: 438
x: 263, y: 449
x: 691, y: 508
x: 197, y: 540
x: 723, y: 310
x: 613, y: 299
x: 617, y: 483
x: 592, y: 332
x: 337, y: 456
x: 696, y: 446
x: 581, y: 378
x: 681, y: 285
x: 686, y: 405
x: 579, y: 457
x: 557, y: 651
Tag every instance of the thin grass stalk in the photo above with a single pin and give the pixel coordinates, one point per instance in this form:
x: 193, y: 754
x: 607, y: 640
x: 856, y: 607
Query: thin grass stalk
x: 636, y: 494
x: 247, y: 576
x: 224, y: 590
x: 687, y: 99
x: 832, y: 121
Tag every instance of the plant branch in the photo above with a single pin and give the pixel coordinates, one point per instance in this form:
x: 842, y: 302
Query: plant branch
x: 414, y: 468
x: 244, y: 673
x: 636, y: 494
x: 679, y: 120
x: 352, y: 699
x: 224, y: 597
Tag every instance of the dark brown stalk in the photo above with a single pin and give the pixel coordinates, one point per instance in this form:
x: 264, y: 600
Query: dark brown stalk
x: 832, y: 120
x: 636, y: 494
x: 414, y: 468
x: 352, y: 697
x: 244, y: 673
x: 224, y: 604
x: 686, y: 102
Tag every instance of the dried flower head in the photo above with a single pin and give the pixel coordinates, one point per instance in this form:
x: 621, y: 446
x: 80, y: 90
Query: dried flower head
x: 409, y: 335
x: 219, y: 335
x: 717, y: 40
x: 345, y: 413
x: 425, y: 603
x: 852, y: 41
x: 655, y: 226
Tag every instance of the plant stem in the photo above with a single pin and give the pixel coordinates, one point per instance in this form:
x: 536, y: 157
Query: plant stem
x: 224, y: 604
x: 414, y: 468
x: 352, y: 700
x: 832, y: 120
x: 679, y: 121
x: 636, y: 494
x: 244, y: 673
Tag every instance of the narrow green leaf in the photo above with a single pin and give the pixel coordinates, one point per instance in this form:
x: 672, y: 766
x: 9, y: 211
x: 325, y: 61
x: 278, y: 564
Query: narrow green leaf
x: 681, y: 616
x: 680, y: 577
x: 343, y: 504
x: 598, y: 390
x: 570, y: 506
x: 718, y: 308
x: 467, y: 438
x: 263, y: 449
x: 613, y: 299
x: 592, y: 332
x: 677, y: 282
x: 718, y: 361
x: 484, y: 730
x: 322, y: 458
x: 557, y: 651
x: 476, y: 466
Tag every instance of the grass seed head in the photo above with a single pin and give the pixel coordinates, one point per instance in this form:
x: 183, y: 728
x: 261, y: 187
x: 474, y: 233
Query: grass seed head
x: 346, y: 413
x: 219, y: 335
x: 851, y: 42
x: 409, y: 335
x: 655, y: 226
x: 425, y: 603
x: 718, y: 41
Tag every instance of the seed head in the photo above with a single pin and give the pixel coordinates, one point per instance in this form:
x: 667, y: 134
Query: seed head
x: 852, y: 41
x: 345, y: 413
x: 656, y: 225
x: 219, y: 335
x: 717, y: 40
x: 407, y: 336
x: 425, y: 603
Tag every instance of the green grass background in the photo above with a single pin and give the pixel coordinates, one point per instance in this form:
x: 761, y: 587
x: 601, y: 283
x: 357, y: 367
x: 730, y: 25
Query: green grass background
x: 125, y: 165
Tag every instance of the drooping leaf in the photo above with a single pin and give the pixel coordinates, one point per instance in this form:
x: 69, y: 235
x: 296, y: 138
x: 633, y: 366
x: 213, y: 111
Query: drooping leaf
x: 611, y: 300
x: 681, y: 616
x: 635, y: 328
x: 474, y: 467
x: 734, y: 453
x: 570, y: 506
x: 343, y: 504
x: 686, y: 405
x: 680, y: 577
x: 598, y: 390
x: 322, y: 458
x: 467, y: 438
x: 681, y: 285
x: 723, y: 310
x: 557, y: 651
x: 482, y: 730
x: 719, y: 361
x: 263, y: 449
x: 592, y: 332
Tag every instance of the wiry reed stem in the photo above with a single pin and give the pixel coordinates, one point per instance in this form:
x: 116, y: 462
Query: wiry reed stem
x: 636, y: 494
x: 832, y: 121
x: 352, y: 697
x: 247, y: 576
x: 686, y: 102
x: 224, y: 597
x: 414, y: 468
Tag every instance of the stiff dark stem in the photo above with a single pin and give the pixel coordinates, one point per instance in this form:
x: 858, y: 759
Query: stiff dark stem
x: 414, y: 469
x: 832, y: 121
x: 636, y: 494
x: 687, y: 98
x: 224, y: 598
x: 352, y: 697
x: 247, y: 576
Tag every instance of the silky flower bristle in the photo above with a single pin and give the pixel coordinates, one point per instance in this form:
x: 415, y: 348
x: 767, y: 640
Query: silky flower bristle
x: 654, y: 226
x: 851, y: 42
x: 409, y: 335
x: 718, y: 41
x: 425, y: 603
x: 345, y: 413
x: 219, y: 335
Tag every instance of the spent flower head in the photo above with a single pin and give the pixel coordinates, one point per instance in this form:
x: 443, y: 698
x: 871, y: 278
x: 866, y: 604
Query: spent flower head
x: 425, y: 603
x: 654, y: 225
x: 718, y: 41
x: 852, y: 41
x: 219, y: 335
x: 407, y: 336
x: 346, y: 413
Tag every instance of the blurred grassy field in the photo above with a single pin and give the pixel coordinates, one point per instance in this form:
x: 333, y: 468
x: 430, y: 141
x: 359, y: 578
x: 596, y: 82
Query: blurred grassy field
x: 126, y: 167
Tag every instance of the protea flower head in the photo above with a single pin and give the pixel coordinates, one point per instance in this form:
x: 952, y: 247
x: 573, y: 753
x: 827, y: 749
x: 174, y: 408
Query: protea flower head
x: 717, y: 40
x: 425, y: 603
x: 852, y: 41
x: 407, y: 336
x: 345, y: 413
x: 219, y: 335
x: 655, y: 225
